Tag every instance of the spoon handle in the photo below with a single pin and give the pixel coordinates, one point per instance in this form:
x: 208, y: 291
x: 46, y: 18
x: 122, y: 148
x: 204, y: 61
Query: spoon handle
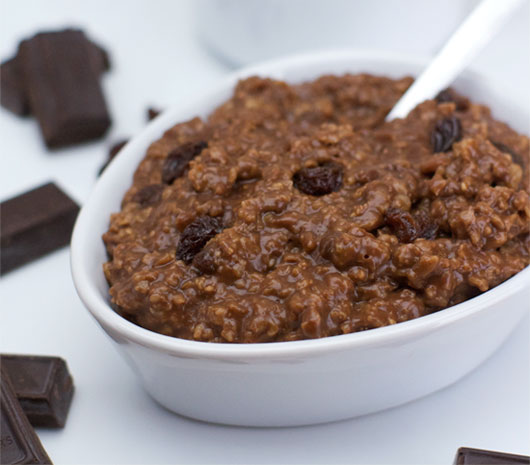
x: 473, y: 34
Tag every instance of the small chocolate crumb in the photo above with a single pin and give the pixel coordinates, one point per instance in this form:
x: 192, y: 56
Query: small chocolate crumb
x: 113, y: 151
x: 152, y: 113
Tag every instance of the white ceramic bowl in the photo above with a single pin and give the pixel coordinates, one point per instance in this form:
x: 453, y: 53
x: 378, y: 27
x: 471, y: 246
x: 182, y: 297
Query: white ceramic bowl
x: 302, y: 382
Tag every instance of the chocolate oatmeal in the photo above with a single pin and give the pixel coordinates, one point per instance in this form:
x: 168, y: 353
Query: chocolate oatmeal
x: 296, y: 212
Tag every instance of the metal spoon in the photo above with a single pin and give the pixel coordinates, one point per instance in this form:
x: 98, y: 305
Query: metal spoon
x: 472, y: 35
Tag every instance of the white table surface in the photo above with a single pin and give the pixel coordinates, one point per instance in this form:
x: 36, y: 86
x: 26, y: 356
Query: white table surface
x: 157, y: 60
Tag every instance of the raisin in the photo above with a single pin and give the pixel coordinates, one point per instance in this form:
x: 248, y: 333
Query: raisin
x: 152, y: 113
x: 448, y: 95
x: 402, y: 224
x: 445, y: 96
x: 148, y: 195
x: 205, y: 262
x: 408, y: 228
x: 516, y: 158
x: 428, y: 229
x: 319, y: 180
x: 445, y: 133
x: 196, y: 235
x: 178, y: 159
x: 113, y: 151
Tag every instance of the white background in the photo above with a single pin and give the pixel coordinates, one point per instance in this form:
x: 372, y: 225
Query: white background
x: 158, y: 60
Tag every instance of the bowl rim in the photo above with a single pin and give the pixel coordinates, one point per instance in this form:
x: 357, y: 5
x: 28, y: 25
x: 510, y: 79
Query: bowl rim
x: 120, y: 328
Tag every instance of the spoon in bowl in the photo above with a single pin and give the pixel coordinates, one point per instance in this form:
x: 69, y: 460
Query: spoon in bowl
x: 472, y: 35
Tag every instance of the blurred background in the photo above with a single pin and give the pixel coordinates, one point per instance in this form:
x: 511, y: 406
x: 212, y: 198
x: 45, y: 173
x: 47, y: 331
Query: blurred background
x: 164, y: 51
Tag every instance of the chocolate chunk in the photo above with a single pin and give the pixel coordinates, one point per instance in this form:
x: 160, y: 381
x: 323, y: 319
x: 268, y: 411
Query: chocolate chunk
x: 196, y: 235
x: 63, y: 87
x: 18, y: 444
x: 178, y: 160
x: 43, y: 386
x: 152, y: 113
x: 113, y: 151
x: 33, y: 224
x: 12, y: 93
x: 445, y: 133
x: 319, y: 180
x: 149, y: 195
x: 468, y: 456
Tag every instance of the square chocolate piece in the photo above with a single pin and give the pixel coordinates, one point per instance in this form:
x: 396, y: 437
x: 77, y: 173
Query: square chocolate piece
x: 468, y: 456
x: 19, y: 442
x: 61, y: 79
x: 43, y: 386
x: 33, y: 224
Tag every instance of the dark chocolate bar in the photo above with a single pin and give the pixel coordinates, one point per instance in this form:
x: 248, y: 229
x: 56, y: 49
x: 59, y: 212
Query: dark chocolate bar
x: 468, y: 456
x: 12, y: 93
x: 19, y: 443
x: 62, y: 87
x: 43, y: 386
x: 100, y: 58
x: 33, y: 224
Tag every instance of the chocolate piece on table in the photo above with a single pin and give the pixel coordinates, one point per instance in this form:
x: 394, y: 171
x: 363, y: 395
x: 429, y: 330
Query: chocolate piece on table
x: 100, y: 58
x: 19, y: 442
x: 113, y: 151
x: 468, y: 456
x: 152, y: 113
x: 63, y: 87
x: 33, y: 224
x: 43, y: 386
x: 12, y: 93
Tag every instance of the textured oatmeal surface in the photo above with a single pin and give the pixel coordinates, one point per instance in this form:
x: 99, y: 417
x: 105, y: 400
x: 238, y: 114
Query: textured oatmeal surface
x: 295, y: 212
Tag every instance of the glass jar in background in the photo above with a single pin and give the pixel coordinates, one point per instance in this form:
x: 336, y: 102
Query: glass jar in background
x: 246, y: 31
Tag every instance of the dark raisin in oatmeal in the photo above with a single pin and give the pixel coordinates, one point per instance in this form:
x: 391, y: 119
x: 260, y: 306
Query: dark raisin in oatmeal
x: 296, y: 212
x: 319, y: 180
x: 195, y: 236
x: 446, y: 132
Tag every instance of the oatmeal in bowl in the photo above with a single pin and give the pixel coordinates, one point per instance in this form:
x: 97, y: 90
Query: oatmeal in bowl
x: 280, y: 256
x: 296, y: 212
